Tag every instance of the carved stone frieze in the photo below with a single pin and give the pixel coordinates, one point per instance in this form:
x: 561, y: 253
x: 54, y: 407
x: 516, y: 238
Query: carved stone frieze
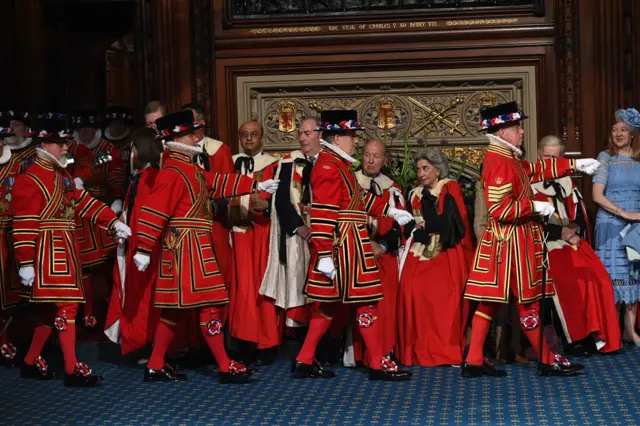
x: 435, y: 107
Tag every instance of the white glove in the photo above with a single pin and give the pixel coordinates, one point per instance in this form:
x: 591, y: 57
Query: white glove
x: 122, y: 230
x: 325, y: 266
x: 141, y: 261
x: 401, y: 216
x: 587, y: 165
x: 79, y: 183
x: 27, y: 275
x: 544, y: 208
x: 269, y: 186
x: 116, y: 206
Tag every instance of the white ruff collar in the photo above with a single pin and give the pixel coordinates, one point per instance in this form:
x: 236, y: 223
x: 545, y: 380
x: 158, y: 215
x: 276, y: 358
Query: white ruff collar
x: 41, y: 153
x: 338, y: 151
x: 184, y: 148
x: 495, y: 140
x: 116, y: 138
x: 10, y: 143
x: 6, y: 154
x: 93, y: 143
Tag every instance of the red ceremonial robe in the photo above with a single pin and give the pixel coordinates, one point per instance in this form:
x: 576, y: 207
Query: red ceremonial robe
x: 584, y: 293
x: 432, y: 312
x: 512, y: 240
x: 391, y: 193
x: 132, y: 318
x: 178, y: 213
x: 45, y: 205
x: 252, y: 317
x: 13, y: 162
x: 107, y: 184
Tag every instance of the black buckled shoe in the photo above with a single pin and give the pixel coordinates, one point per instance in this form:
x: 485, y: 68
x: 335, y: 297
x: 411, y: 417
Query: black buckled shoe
x: 82, y: 377
x: 8, y: 355
x: 238, y: 374
x: 39, y: 370
x: 313, y: 370
x: 165, y: 374
x: 389, y: 372
x: 558, y: 369
x: 487, y: 368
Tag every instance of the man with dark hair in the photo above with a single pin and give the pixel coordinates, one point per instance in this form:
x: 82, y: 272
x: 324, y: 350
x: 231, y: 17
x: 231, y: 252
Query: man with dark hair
x: 510, y: 255
x: 343, y: 270
x: 45, y: 206
x: 152, y: 111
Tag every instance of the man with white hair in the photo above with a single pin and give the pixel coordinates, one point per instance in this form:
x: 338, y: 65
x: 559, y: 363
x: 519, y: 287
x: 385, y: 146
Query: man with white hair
x: 584, y: 294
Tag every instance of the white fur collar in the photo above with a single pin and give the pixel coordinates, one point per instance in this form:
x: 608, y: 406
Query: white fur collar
x: 116, y: 138
x: 495, y: 140
x: 365, y: 181
x: 11, y: 143
x: 210, y: 146
x: 338, y: 151
x: 41, y: 153
x: 6, y: 154
x: 184, y: 148
x: 93, y: 143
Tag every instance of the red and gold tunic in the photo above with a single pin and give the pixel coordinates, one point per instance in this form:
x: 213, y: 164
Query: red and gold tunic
x: 83, y: 160
x: 510, y: 252
x: 106, y: 183
x: 179, y: 214
x: 17, y: 163
x: 339, y: 230
x: 45, y: 206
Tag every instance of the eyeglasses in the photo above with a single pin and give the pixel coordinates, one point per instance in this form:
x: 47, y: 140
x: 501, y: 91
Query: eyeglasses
x: 248, y: 135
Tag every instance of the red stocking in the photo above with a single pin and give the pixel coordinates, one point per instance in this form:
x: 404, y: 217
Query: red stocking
x: 479, y: 329
x: 320, y: 322
x: 531, y: 324
x: 165, y: 331
x: 40, y: 336
x: 65, y: 323
x: 211, y: 328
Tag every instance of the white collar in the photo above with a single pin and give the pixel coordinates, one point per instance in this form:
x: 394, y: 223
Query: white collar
x: 93, y: 143
x: 495, y: 140
x: 21, y: 145
x: 338, y: 151
x: 184, y: 148
x: 6, y: 154
x: 50, y: 158
x: 108, y: 135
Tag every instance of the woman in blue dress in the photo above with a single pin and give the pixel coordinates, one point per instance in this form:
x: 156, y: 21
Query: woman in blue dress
x: 616, y: 190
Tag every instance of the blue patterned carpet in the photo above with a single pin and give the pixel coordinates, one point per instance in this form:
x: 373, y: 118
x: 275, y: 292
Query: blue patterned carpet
x: 606, y: 395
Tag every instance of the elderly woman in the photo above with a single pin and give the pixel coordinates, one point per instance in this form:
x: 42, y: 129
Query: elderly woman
x: 616, y: 190
x: 435, y: 265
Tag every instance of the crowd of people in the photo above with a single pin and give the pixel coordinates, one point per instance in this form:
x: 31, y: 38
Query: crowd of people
x: 203, y: 243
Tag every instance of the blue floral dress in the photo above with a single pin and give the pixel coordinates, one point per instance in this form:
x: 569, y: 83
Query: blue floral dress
x: 621, y: 177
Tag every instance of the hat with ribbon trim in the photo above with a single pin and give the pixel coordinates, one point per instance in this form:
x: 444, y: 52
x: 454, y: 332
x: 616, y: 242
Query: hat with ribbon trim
x: 176, y: 124
x: 118, y: 113
x: 16, y: 114
x: 500, y: 116
x: 339, y: 120
x: 51, y: 127
x: 86, y: 118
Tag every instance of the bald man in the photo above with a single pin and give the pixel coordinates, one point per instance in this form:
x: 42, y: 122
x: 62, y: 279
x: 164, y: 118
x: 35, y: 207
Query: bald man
x: 385, y: 238
x: 253, y: 319
x: 286, y: 272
